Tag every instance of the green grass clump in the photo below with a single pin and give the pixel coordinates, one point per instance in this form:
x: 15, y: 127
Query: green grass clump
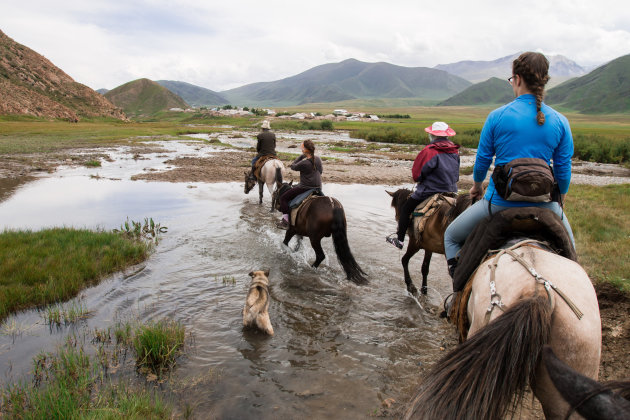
x: 600, y: 222
x: 603, y: 149
x: 51, y: 265
x: 70, y: 385
x: 93, y: 164
x: 157, y: 345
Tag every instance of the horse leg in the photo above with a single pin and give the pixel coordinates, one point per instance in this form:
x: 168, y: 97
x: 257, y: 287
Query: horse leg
x: 425, y: 270
x: 288, y: 236
x: 316, y: 243
x: 411, y: 251
x: 260, y: 191
x: 298, y: 245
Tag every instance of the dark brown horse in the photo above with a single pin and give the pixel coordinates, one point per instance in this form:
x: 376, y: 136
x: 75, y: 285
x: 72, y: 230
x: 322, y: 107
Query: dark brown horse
x: 432, y: 238
x: 322, y: 217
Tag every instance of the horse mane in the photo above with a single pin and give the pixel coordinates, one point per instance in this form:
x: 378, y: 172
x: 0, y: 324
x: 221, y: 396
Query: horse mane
x: 462, y: 203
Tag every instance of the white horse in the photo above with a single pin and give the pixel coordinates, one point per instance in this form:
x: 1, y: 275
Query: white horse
x: 270, y: 174
x: 520, y: 301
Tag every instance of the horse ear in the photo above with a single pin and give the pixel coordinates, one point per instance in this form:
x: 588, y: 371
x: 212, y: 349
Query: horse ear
x: 245, y: 172
x: 251, y: 274
x: 291, y: 183
x: 390, y: 193
x: 267, y: 273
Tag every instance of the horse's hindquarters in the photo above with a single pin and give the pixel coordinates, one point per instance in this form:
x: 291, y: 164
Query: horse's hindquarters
x: 577, y: 342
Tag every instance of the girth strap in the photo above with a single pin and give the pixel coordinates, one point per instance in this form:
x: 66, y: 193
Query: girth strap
x: 495, y: 298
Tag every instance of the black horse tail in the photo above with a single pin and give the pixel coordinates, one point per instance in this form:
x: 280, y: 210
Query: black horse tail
x: 344, y: 255
x: 486, y: 375
x: 278, y: 177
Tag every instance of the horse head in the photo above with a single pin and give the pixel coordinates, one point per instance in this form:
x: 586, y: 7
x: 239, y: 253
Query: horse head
x: 280, y: 189
x: 398, y: 199
x: 250, y: 182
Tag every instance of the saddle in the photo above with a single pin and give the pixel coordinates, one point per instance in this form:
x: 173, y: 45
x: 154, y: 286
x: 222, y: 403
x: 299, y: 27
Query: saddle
x: 428, y: 207
x: 260, y: 163
x: 302, y: 202
x: 495, y: 232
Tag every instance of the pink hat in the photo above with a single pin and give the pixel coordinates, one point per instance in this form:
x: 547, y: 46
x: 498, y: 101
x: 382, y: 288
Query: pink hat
x: 440, y: 129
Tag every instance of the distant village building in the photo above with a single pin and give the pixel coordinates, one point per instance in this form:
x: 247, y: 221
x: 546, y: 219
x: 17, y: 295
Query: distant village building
x: 340, y: 112
x: 374, y: 117
x: 176, y: 110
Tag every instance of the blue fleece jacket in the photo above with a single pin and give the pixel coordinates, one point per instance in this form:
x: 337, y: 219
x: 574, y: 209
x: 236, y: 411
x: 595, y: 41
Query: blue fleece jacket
x: 511, y: 132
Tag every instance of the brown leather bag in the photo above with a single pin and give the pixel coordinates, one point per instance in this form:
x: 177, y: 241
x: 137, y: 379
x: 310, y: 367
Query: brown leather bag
x: 524, y: 179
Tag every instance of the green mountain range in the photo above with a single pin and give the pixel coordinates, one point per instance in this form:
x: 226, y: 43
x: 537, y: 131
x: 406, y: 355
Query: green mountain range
x: 144, y: 97
x: 194, y: 95
x: 492, y: 91
x: 350, y: 79
x: 605, y: 90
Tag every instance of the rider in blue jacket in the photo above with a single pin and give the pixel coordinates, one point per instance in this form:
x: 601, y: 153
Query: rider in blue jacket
x: 524, y: 128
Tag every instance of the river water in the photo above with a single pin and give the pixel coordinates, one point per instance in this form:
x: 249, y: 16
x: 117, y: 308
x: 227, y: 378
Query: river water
x: 339, y: 350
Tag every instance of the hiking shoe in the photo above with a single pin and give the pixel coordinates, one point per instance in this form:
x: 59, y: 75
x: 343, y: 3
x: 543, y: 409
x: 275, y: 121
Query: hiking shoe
x: 282, y: 224
x: 394, y: 241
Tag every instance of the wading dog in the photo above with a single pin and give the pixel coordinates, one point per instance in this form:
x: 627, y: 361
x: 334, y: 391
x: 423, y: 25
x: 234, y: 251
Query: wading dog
x: 255, y: 312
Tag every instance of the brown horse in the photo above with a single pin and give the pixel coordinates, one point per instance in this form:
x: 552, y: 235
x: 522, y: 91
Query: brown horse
x: 322, y: 217
x: 432, y: 238
x: 520, y: 301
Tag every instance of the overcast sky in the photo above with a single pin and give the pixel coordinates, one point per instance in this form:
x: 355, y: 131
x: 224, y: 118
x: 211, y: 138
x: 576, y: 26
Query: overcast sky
x: 229, y: 43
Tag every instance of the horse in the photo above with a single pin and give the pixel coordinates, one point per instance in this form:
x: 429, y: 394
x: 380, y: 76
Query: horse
x: 322, y: 217
x: 592, y: 400
x: 520, y: 300
x: 431, y: 239
x: 270, y: 174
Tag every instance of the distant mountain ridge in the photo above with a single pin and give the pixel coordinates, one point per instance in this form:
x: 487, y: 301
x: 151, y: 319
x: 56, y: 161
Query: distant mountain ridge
x: 560, y: 68
x: 144, y: 97
x: 31, y: 85
x: 492, y: 91
x: 350, y: 79
x: 604, y: 90
x: 194, y: 95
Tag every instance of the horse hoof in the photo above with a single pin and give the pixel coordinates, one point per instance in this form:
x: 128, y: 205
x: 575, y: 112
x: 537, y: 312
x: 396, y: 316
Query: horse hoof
x: 424, y: 290
x: 412, y: 289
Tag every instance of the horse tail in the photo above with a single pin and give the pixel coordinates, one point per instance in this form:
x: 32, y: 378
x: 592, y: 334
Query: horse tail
x: 486, y: 375
x: 278, y: 178
x: 344, y: 255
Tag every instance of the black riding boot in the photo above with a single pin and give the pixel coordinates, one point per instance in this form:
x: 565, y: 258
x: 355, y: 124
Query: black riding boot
x: 448, y: 305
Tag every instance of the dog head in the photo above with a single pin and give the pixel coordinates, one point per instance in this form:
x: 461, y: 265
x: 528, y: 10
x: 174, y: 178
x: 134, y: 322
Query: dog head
x: 260, y: 276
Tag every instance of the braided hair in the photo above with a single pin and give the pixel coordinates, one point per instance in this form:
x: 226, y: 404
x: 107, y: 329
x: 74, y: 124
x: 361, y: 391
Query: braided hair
x: 310, y: 146
x: 534, y: 69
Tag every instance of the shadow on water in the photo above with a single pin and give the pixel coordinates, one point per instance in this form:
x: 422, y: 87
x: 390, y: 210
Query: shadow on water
x: 338, y: 349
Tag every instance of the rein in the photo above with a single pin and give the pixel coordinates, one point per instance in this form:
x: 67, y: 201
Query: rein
x: 495, y: 298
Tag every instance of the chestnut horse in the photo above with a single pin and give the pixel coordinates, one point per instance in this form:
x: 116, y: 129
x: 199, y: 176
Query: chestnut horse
x: 322, y: 217
x: 270, y: 174
x: 431, y: 239
x: 520, y: 301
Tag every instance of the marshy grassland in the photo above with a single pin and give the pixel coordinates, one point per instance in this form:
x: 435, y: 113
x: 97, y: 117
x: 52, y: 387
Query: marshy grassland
x: 77, y: 382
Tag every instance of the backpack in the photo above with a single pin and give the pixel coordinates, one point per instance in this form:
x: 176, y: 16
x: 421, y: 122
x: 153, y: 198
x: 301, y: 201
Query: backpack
x: 525, y: 179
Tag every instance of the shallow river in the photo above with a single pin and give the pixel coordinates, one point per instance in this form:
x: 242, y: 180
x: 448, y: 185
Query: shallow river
x: 339, y: 350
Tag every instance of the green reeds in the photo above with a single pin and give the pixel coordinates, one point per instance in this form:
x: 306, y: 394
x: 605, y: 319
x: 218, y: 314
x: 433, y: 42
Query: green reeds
x: 157, y: 345
x: 63, y: 315
x: 70, y: 384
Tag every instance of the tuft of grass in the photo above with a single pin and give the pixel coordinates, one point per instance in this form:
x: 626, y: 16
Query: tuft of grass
x: 600, y: 222
x: 157, y: 345
x: 59, y: 315
x: 52, y: 265
x: 93, y: 163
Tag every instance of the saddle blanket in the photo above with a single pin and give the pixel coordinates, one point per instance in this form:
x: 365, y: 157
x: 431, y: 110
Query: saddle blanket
x: 260, y: 163
x: 427, y: 208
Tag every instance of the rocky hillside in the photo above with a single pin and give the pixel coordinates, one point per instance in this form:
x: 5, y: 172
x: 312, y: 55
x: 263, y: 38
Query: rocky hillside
x: 144, y: 97
x: 31, y: 85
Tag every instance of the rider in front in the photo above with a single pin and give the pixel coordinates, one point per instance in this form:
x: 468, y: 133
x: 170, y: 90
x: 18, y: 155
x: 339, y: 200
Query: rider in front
x: 311, y: 169
x: 435, y: 169
x: 524, y: 128
x: 266, y: 144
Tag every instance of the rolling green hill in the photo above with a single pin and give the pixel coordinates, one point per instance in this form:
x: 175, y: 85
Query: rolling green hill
x: 347, y: 80
x: 605, y: 90
x: 491, y: 92
x: 194, y: 95
x: 144, y: 97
